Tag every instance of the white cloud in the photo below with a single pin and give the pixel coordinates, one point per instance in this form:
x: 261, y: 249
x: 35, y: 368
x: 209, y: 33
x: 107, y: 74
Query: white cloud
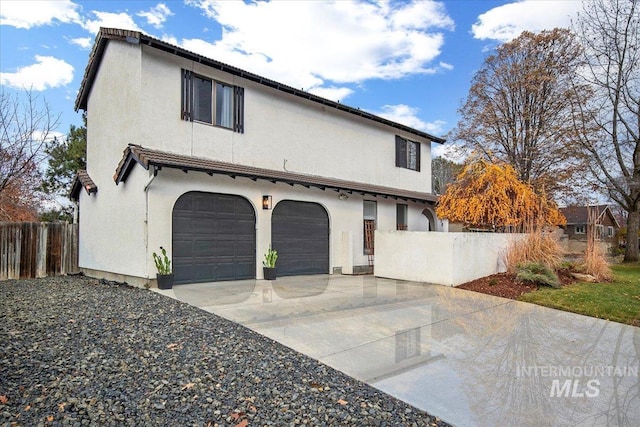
x: 333, y: 93
x: 28, y: 14
x: 308, y: 44
x: 257, y: 63
x: 446, y: 66
x: 39, y: 135
x: 109, y: 20
x: 83, y: 42
x: 170, y: 39
x: 157, y: 15
x: 506, y: 22
x: 407, y: 115
x: 418, y: 15
x: 48, y: 72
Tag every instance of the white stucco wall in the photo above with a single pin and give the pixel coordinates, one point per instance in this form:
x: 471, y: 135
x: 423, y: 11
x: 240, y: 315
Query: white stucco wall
x: 112, y: 229
x: 133, y: 223
x: 443, y: 258
x: 344, y: 215
x: 282, y: 132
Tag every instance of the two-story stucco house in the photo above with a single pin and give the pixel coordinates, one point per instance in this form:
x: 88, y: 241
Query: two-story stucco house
x: 216, y: 164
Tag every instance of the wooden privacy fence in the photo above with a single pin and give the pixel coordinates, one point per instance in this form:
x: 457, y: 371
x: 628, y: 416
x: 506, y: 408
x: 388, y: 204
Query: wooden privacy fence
x: 37, y: 249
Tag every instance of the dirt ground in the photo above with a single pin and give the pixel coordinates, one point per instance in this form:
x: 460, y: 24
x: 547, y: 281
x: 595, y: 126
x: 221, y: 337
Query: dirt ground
x: 507, y: 286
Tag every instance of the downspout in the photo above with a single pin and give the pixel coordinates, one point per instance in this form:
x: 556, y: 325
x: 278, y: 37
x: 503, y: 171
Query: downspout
x: 146, y: 220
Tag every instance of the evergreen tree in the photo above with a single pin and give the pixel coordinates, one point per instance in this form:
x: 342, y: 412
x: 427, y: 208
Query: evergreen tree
x: 65, y: 159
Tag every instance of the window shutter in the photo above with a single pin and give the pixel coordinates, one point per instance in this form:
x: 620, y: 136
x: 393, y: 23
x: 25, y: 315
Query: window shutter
x: 187, y: 96
x: 238, y: 110
x: 417, y: 145
x: 401, y: 152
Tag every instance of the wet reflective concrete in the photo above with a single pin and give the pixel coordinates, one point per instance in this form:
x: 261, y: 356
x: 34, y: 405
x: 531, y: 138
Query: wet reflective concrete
x: 469, y: 358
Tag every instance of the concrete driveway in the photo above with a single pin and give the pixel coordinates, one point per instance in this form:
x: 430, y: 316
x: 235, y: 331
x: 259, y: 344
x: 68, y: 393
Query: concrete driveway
x: 468, y: 358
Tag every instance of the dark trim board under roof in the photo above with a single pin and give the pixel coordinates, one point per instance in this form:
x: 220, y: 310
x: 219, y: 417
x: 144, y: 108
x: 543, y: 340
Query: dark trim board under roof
x: 156, y: 159
x: 136, y: 37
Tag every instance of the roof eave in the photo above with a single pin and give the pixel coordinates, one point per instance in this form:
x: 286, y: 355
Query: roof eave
x: 146, y: 161
x: 80, y: 182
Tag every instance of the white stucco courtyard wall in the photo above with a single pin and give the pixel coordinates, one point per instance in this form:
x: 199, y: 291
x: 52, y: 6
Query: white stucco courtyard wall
x: 443, y: 258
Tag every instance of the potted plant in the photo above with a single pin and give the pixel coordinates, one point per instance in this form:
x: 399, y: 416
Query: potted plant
x: 269, y: 264
x: 163, y: 265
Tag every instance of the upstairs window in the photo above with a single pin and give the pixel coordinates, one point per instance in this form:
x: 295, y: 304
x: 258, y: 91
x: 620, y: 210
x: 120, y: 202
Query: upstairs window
x: 207, y: 101
x: 581, y: 229
x: 407, y: 154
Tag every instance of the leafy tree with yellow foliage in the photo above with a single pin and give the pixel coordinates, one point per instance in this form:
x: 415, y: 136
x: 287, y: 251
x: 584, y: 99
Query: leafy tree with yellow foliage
x: 490, y: 196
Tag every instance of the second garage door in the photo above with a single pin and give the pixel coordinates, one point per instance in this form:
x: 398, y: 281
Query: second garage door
x: 300, y: 234
x: 213, y: 238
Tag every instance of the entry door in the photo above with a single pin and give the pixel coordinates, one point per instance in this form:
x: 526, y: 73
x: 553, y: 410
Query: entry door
x: 300, y: 234
x: 214, y: 238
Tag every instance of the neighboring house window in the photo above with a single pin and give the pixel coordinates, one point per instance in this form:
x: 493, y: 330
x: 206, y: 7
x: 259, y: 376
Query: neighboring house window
x: 207, y: 101
x: 370, y: 209
x: 407, y: 154
x: 610, y: 232
x: 580, y: 229
x: 401, y: 216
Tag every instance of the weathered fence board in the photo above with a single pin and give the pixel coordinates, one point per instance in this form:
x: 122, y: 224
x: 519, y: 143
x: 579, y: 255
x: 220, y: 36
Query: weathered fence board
x: 37, y: 249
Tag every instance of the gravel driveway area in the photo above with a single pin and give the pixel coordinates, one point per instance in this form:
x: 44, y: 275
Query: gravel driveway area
x: 76, y: 351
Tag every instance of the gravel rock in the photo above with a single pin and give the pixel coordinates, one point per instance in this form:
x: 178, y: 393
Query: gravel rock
x: 76, y: 351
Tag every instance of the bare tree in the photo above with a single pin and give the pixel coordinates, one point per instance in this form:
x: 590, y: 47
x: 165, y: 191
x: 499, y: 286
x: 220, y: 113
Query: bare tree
x: 609, y: 125
x: 517, y: 109
x: 26, y: 124
x: 443, y: 173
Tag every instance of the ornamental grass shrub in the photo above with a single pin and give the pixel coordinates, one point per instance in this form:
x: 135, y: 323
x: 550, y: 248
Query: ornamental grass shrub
x: 538, y: 273
x: 595, y: 262
x: 535, y: 247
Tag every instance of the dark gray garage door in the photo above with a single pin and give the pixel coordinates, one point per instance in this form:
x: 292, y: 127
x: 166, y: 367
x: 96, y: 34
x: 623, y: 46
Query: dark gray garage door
x: 300, y: 234
x: 214, y: 238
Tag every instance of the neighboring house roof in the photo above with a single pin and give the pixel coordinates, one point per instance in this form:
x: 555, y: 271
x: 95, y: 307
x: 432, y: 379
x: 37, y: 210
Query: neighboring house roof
x: 82, y: 180
x: 580, y: 214
x: 136, y: 37
x: 135, y: 154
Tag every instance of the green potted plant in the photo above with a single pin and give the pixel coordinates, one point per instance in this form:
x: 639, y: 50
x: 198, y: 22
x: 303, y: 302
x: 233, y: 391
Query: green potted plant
x: 163, y: 265
x: 269, y: 264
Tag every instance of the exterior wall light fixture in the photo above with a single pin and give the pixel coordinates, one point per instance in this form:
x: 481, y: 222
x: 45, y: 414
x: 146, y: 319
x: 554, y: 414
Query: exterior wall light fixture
x: 266, y: 202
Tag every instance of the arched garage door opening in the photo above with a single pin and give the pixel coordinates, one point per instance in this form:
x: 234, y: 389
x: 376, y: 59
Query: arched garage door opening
x: 300, y: 234
x: 214, y: 238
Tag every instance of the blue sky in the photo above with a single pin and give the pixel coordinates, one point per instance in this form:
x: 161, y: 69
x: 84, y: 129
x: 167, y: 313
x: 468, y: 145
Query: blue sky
x: 408, y: 61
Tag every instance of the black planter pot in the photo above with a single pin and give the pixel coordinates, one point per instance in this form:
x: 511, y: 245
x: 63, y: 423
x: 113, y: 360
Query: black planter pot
x: 165, y: 281
x: 269, y: 273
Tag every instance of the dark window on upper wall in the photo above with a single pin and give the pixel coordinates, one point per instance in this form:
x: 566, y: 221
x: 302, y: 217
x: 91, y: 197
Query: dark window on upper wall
x: 207, y: 101
x: 402, y: 213
x: 407, y: 154
x: 202, y: 108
